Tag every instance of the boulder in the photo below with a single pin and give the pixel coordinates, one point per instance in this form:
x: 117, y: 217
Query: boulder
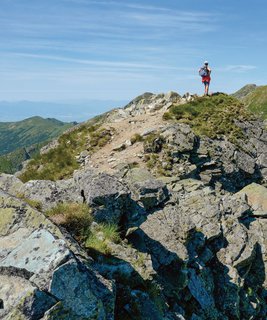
x: 104, y: 193
x: 47, y: 193
x: 10, y: 183
x: 50, y: 193
x: 40, y: 274
x: 146, y: 190
x: 179, y: 137
x: 256, y: 196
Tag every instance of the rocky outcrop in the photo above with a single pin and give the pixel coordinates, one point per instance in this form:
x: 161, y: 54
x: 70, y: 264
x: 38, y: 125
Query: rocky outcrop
x: 193, y: 227
x: 105, y: 194
x: 147, y: 103
x: 181, y: 153
x: 201, y: 246
x: 40, y: 274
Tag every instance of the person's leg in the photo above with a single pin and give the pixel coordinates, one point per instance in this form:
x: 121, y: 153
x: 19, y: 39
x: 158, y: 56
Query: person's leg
x: 207, y: 88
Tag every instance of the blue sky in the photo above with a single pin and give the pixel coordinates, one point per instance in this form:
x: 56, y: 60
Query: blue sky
x: 67, y: 50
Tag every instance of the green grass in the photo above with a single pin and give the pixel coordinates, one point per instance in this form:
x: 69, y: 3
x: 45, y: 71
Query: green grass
x: 212, y: 116
x: 14, y: 135
x: 151, y: 160
x: 33, y: 203
x: 77, y: 219
x: 101, y: 236
x: 256, y: 101
x: 60, y: 162
x: 136, y: 138
x: 74, y: 217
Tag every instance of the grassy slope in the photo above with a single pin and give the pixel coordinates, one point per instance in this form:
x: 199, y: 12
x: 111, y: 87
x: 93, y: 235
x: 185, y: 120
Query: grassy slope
x: 211, y: 116
x: 256, y: 101
x: 14, y: 135
x: 60, y: 162
x: 244, y: 91
x: 12, y: 162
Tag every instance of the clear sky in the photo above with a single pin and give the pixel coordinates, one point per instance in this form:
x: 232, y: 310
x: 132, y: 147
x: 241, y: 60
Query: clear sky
x: 61, y: 50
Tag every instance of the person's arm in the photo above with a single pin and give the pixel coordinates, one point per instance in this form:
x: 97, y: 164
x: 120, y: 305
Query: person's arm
x: 209, y: 70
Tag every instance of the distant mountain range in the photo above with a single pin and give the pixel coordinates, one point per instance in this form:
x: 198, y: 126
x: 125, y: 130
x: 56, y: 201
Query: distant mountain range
x: 22, y: 140
x: 65, y: 111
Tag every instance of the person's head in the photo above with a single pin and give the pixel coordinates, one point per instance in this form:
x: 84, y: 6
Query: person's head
x: 206, y: 63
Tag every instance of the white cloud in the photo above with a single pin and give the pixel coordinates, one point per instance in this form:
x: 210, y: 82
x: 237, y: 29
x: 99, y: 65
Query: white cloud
x: 238, y: 68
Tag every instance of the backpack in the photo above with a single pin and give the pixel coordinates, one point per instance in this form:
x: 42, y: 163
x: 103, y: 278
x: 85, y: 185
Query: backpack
x: 203, y: 72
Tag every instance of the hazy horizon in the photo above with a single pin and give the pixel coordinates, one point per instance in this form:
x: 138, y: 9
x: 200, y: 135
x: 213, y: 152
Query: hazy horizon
x: 11, y: 111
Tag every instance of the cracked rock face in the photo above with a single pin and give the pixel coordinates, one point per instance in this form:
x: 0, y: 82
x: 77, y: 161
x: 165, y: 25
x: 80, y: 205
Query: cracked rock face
x: 40, y: 274
x: 104, y: 193
x: 207, y: 246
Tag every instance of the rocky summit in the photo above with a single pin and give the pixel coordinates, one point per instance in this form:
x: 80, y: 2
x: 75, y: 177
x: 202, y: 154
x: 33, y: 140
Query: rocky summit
x: 154, y: 211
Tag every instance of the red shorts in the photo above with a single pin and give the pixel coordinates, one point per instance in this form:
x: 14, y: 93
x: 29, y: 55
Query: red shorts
x: 206, y: 79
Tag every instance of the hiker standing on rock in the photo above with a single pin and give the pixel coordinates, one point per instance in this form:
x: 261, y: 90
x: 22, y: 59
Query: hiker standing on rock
x: 205, y: 72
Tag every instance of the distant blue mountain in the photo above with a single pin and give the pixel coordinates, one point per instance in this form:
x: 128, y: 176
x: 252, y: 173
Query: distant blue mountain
x: 68, y: 112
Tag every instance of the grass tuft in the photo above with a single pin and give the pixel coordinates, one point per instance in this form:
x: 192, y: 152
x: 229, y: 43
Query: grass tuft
x: 136, y: 138
x: 75, y: 217
x: 33, y: 203
x: 101, y: 236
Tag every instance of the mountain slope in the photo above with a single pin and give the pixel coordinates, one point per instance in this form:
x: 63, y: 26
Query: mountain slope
x: 244, y: 91
x: 13, y: 161
x: 14, y: 135
x: 165, y: 198
x: 255, y: 99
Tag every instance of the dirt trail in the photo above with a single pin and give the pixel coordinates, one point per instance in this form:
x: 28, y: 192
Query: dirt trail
x: 106, y: 159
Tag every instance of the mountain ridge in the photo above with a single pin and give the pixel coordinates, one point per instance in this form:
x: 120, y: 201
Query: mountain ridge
x: 28, y: 131
x: 154, y: 211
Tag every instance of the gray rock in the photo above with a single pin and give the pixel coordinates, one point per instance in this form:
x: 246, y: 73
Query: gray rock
x: 10, y: 183
x: 50, y: 193
x: 256, y: 196
x: 120, y: 147
x: 150, y: 103
x: 104, y: 193
x: 39, y: 255
x: 179, y: 137
x: 145, y: 189
x: 35, y: 257
x: 16, y: 291
x: 196, y: 286
x: 80, y: 291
